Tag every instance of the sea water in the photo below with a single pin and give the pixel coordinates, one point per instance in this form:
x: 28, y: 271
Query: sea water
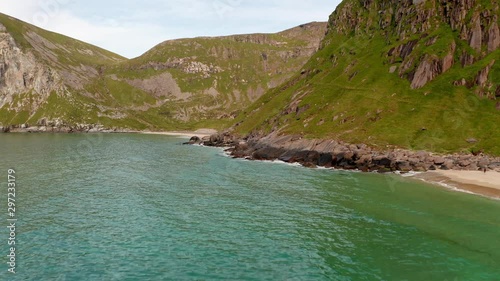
x: 144, y: 207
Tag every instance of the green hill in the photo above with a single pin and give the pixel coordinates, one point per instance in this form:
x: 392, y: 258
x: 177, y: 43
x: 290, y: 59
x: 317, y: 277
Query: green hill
x: 419, y: 75
x: 44, y: 74
x: 179, y: 84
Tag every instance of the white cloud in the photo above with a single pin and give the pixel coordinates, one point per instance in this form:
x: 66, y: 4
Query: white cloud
x: 131, y: 28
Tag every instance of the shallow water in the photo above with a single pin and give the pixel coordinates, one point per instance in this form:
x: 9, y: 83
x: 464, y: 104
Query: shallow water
x: 139, y: 207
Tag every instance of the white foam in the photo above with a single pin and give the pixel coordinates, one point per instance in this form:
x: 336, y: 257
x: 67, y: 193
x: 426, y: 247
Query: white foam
x: 408, y: 174
x: 282, y: 163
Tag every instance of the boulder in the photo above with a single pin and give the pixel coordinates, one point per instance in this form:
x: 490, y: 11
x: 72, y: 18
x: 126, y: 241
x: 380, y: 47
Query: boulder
x: 403, y: 166
x: 309, y: 165
x: 349, y: 156
x: 382, y: 160
x: 267, y: 153
x: 325, y: 160
x: 193, y: 140
x: 439, y: 160
x: 464, y: 163
x: 448, y: 165
x: 364, y: 160
x: 242, y: 145
x: 311, y: 157
x: 494, y: 166
x: 414, y: 161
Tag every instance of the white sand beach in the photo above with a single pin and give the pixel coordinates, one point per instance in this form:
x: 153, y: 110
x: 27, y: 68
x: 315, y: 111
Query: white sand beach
x: 487, y: 184
x: 188, y: 134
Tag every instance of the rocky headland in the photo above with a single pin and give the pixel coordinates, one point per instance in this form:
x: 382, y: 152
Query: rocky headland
x: 340, y: 155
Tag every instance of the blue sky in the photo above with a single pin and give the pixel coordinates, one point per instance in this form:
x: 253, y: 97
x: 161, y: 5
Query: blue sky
x: 130, y: 27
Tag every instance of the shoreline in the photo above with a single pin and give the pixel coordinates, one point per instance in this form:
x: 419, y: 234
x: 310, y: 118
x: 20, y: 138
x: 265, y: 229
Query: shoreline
x: 459, y: 171
x: 473, y: 182
x: 202, y: 133
x: 468, y: 181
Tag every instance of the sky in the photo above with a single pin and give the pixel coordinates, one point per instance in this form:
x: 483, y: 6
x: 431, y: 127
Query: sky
x: 130, y: 28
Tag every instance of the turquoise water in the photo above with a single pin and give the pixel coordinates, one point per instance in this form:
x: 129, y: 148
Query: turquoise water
x: 138, y: 207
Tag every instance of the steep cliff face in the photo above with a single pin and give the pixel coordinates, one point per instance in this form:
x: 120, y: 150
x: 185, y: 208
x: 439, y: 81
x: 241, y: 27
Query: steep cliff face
x: 43, y: 75
x: 21, y: 73
x: 421, y: 74
x: 425, y: 33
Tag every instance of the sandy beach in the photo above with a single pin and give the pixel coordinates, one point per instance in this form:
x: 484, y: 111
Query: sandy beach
x: 486, y: 184
x: 188, y: 134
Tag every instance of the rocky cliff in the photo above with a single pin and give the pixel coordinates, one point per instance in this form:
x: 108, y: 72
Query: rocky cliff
x: 428, y: 36
x: 43, y: 74
x: 21, y: 73
x: 421, y: 74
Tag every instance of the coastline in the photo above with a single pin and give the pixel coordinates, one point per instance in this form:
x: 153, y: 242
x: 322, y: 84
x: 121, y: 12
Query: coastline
x: 201, y: 133
x: 320, y: 155
x: 460, y: 171
x: 475, y: 182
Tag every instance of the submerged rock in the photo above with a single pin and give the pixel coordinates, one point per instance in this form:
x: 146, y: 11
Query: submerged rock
x: 194, y: 140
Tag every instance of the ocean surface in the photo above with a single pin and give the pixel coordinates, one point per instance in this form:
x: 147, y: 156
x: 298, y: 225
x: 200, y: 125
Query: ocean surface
x: 143, y: 207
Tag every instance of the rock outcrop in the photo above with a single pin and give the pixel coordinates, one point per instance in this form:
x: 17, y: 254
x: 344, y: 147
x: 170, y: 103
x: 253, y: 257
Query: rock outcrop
x: 421, y: 59
x: 494, y: 36
x: 21, y: 72
x: 341, y: 155
x: 432, y: 66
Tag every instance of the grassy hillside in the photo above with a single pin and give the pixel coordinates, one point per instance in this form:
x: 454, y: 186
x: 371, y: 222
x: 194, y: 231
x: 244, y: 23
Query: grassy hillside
x: 55, y: 69
x: 179, y: 84
x: 347, y: 90
x: 66, y: 50
x: 206, y: 81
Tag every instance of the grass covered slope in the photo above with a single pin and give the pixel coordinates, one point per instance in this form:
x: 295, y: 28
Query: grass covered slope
x: 54, y: 47
x: 44, y: 74
x: 206, y: 81
x: 179, y: 84
x: 392, y: 73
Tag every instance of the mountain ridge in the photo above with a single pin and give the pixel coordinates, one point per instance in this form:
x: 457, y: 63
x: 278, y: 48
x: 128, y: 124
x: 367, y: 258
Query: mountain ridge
x: 77, y: 83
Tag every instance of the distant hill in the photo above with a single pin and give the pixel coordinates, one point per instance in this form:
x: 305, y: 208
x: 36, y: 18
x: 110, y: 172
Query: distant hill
x: 179, y: 84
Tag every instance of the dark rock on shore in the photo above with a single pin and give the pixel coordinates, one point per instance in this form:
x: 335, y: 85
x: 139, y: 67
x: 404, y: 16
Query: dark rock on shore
x: 194, y: 140
x: 336, y: 154
x: 224, y: 139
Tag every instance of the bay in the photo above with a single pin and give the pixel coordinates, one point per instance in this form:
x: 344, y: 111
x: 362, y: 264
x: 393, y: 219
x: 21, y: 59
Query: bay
x: 143, y: 207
